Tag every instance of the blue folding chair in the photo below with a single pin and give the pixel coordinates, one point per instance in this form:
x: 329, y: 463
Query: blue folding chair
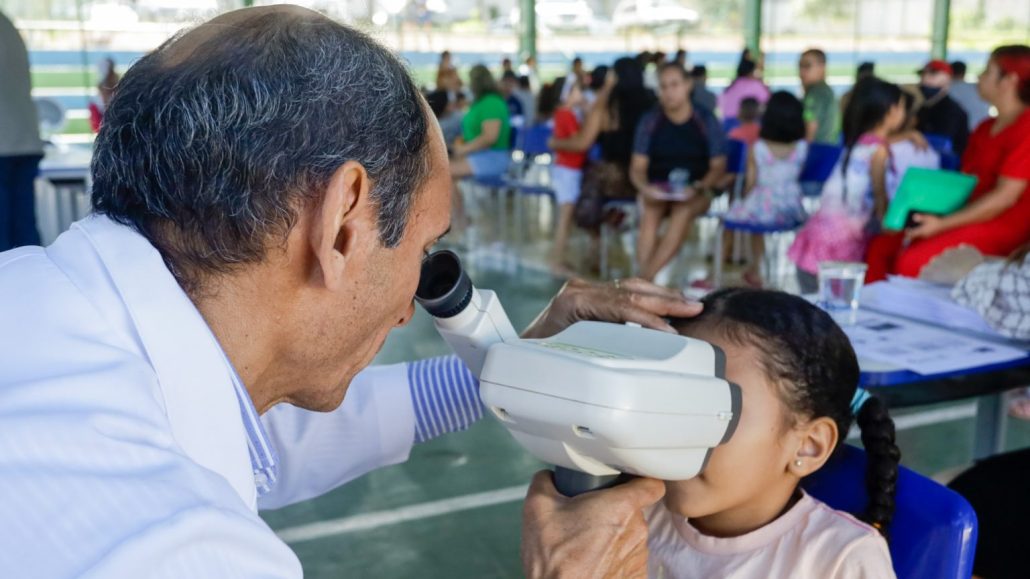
x: 940, y: 143
x: 933, y: 534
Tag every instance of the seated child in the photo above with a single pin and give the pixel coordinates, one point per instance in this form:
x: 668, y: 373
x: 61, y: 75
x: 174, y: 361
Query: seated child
x: 854, y: 199
x: 745, y: 515
x: 567, y: 174
x: 747, y: 130
x: 772, y: 193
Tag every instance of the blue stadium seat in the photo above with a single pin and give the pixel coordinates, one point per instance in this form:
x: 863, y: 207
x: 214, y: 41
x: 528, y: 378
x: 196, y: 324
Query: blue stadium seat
x: 933, y: 535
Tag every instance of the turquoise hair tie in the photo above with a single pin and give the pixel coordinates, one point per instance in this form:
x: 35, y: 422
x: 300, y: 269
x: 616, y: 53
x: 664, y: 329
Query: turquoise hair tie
x: 861, y: 395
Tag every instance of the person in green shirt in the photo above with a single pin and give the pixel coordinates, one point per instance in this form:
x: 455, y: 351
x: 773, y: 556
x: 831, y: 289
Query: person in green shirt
x: 484, y: 149
x: 822, y: 119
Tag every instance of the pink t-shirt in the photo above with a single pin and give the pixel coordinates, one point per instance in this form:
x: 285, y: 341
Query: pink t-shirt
x: 809, y: 540
x: 740, y: 89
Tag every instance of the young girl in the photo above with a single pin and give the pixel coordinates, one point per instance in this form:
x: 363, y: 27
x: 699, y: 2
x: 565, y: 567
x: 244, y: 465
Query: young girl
x: 904, y: 149
x: 773, y: 193
x: 745, y: 516
x: 567, y: 173
x: 854, y: 199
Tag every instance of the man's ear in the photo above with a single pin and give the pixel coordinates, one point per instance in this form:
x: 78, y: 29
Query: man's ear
x: 337, y: 227
x: 816, y: 441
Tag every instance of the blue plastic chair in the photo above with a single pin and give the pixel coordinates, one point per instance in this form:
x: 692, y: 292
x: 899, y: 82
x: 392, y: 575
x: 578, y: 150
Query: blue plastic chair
x: 940, y: 143
x: 728, y: 124
x: 822, y: 159
x: 950, y: 162
x: 533, y: 142
x: 933, y: 534
x: 736, y: 156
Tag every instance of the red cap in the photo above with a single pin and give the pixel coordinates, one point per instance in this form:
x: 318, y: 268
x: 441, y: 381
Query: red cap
x: 937, y: 66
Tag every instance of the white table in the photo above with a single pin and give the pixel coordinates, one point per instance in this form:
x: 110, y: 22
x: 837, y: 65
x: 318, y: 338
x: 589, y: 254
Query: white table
x: 62, y: 189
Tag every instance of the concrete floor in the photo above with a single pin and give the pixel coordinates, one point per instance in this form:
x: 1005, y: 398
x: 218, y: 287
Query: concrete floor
x: 392, y: 523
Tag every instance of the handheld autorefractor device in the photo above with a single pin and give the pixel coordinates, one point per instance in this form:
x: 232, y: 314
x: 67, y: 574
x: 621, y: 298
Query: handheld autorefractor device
x: 598, y: 400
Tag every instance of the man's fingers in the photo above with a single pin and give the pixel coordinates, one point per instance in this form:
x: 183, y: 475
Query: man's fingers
x: 644, y: 318
x: 639, y: 492
x: 643, y: 286
x: 665, y: 306
x: 542, y: 493
x: 660, y: 300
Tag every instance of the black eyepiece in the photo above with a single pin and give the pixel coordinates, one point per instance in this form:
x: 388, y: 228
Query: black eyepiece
x: 444, y: 289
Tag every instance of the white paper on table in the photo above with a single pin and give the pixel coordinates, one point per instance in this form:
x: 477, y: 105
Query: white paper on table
x: 921, y: 348
x: 925, y: 301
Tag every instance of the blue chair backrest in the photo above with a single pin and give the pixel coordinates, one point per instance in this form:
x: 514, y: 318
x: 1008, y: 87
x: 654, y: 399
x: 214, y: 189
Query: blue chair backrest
x: 933, y: 534
x: 950, y: 162
x: 822, y: 158
x: 534, y: 140
x: 736, y: 156
x: 940, y: 143
x: 729, y: 124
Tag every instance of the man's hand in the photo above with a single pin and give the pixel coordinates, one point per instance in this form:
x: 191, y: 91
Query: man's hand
x: 630, y: 300
x: 599, y: 534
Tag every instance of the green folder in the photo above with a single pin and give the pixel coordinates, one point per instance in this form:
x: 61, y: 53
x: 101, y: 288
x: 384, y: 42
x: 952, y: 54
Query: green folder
x: 927, y: 191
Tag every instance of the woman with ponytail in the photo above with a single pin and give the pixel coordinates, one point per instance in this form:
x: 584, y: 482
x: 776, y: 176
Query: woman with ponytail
x: 854, y: 198
x: 996, y: 219
x: 746, y: 515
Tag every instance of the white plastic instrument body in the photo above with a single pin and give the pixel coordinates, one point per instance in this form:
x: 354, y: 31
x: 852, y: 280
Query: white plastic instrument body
x: 471, y: 333
x: 597, y: 399
x: 606, y: 398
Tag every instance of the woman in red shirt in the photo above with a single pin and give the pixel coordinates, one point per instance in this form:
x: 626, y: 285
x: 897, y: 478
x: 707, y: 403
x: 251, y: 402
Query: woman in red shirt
x: 996, y: 220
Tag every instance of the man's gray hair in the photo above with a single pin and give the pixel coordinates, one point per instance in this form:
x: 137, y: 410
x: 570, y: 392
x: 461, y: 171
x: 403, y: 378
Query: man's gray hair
x: 210, y: 151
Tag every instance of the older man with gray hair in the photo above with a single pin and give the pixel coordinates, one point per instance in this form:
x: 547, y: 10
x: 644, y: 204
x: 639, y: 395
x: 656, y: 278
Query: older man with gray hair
x: 265, y: 188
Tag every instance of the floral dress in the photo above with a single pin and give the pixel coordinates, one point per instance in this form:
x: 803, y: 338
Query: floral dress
x: 840, y: 230
x: 775, y: 199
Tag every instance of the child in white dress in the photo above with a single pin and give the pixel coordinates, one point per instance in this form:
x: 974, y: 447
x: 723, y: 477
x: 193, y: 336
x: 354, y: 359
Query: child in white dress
x: 772, y: 192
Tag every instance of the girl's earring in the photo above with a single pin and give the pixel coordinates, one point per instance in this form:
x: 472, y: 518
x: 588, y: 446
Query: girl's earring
x: 797, y: 462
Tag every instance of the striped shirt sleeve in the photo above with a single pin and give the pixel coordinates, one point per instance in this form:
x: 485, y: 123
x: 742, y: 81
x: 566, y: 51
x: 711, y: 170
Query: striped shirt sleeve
x: 445, y: 395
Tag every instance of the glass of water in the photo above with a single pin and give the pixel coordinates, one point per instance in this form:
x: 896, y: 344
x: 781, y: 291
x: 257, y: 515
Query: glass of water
x: 840, y: 284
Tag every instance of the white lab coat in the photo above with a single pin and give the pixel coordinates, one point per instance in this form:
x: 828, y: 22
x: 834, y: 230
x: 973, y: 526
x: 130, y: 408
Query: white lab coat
x: 122, y: 448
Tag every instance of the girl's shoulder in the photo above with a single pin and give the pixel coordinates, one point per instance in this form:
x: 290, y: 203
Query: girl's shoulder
x: 859, y: 549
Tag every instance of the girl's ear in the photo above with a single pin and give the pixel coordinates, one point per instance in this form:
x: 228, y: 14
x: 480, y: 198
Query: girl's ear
x: 816, y: 441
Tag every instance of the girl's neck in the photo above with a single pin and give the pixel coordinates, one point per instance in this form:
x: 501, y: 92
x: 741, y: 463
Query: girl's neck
x: 680, y: 114
x: 881, y: 132
x: 751, y: 516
